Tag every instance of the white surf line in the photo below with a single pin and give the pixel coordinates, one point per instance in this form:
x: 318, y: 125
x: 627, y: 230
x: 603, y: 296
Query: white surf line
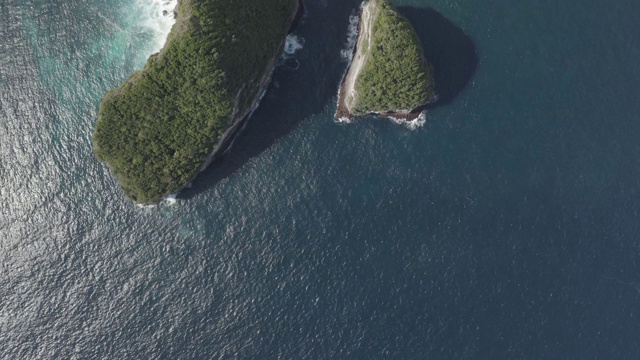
x: 411, y: 124
x: 292, y: 45
x: 157, y: 17
x: 367, y: 18
x: 352, y: 37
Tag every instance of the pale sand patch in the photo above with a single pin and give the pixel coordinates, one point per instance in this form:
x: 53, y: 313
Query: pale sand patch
x: 369, y: 13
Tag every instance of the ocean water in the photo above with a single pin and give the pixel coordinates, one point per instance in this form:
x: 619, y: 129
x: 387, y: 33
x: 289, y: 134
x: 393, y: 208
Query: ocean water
x: 505, y: 227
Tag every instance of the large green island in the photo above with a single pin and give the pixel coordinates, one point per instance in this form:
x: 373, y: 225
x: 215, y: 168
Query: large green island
x: 169, y: 120
x: 389, y: 74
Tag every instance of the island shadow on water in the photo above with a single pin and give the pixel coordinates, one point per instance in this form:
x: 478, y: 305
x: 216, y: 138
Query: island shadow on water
x: 296, y: 94
x: 447, y: 48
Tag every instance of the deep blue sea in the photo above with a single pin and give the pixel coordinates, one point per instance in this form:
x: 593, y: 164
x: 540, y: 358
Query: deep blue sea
x: 507, y: 226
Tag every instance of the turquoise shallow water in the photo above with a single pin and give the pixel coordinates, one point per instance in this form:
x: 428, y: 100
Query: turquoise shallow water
x: 505, y: 227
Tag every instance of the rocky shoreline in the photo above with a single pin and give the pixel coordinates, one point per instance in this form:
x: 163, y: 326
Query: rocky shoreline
x: 365, y: 27
x: 342, y: 111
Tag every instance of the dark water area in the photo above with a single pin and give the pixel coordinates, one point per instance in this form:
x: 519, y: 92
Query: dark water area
x: 450, y: 51
x: 505, y: 227
x: 319, y: 73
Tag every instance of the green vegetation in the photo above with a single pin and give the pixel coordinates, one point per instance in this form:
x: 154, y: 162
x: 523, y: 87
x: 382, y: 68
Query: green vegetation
x: 396, y: 76
x: 157, y: 129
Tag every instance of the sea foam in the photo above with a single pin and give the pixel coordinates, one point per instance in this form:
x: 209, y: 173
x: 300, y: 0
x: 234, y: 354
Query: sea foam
x: 292, y: 45
x: 170, y: 199
x: 156, y: 18
x: 411, y: 124
x: 352, y: 37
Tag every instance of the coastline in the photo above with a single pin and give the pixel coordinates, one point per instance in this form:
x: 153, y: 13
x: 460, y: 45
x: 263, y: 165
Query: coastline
x: 347, y: 91
x: 348, y: 81
x: 238, y: 122
x: 342, y: 113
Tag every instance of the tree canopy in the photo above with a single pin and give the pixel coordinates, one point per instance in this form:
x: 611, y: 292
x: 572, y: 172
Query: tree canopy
x: 157, y: 129
x: 396, y: 76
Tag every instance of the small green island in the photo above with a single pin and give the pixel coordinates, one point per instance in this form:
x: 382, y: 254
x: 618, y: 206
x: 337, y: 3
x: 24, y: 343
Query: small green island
x: 169, y: 120
x: 389, y: 74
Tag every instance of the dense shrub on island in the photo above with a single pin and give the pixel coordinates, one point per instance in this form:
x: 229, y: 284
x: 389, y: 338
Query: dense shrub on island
x: 157, y: 129
x: 389, y: 66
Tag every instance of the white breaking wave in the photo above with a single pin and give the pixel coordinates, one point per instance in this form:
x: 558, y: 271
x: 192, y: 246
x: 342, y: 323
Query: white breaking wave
x: 157, y: 17
x: 292, y: 45
x: 352, y: 37
x: 142, y: 206
x: 345, y: 120
x: 413, y: 124
x: 170, y: 199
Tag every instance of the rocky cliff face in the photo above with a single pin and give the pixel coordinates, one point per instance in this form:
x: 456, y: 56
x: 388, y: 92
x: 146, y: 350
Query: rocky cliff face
x: 240, y: 116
